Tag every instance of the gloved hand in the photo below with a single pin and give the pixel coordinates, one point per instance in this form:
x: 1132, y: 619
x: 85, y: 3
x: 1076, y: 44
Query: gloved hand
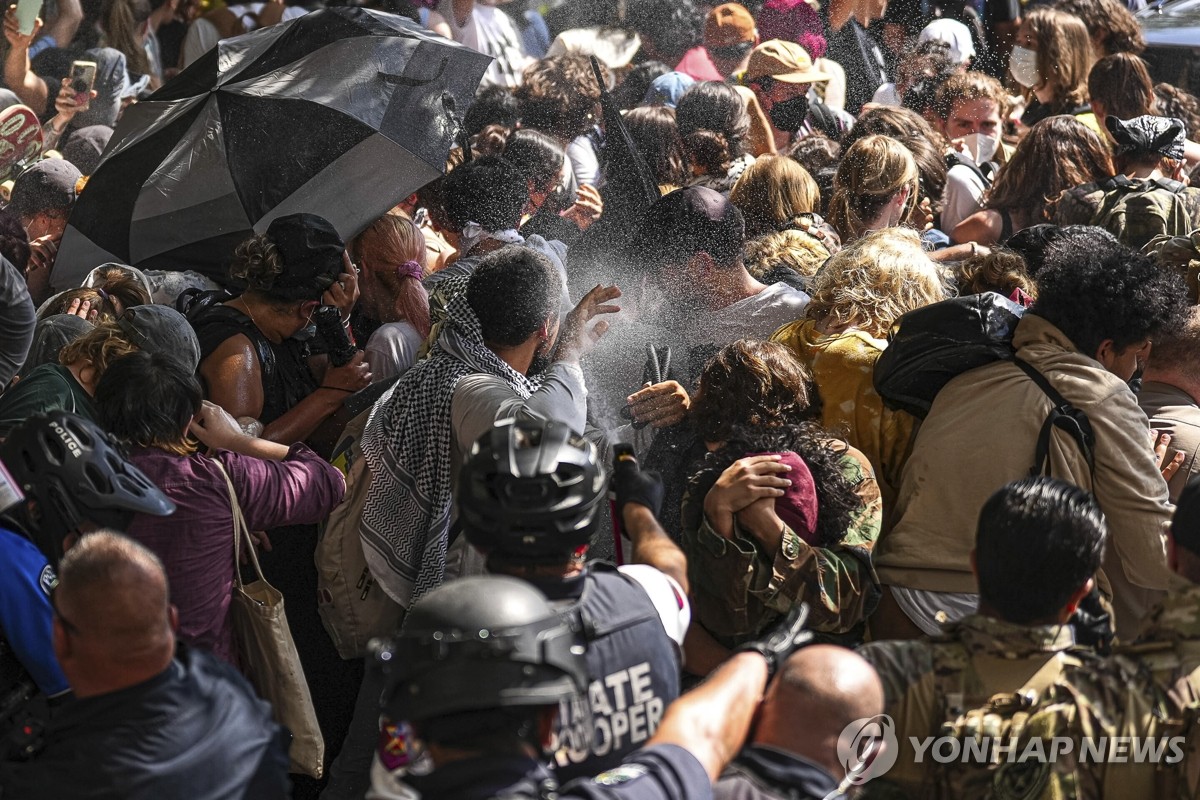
x: 632, y: 484
x: 780, y: 641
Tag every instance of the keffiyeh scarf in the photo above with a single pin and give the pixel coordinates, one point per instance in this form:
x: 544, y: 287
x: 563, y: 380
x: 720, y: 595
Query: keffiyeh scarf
x: 407, y: 445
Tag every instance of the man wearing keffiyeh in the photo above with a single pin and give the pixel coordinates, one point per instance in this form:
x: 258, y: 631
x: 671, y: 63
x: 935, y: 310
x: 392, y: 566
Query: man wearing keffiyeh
x: 501, y: 354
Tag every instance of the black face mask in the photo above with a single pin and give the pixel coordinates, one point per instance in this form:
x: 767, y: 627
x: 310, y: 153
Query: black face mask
x: 790, y: 114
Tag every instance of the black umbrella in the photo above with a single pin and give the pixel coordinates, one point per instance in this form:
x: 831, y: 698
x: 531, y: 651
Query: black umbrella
x: 342, y: 112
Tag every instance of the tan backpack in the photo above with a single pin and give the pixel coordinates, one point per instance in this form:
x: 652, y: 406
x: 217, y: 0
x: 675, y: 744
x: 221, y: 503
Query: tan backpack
x: 353, y: 608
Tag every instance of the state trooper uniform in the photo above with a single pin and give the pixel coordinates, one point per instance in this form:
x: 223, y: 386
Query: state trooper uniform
x: 483, y: 646
x: 529, y: 493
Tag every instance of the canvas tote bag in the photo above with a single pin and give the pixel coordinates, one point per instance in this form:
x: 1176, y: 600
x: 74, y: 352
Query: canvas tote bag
x: 268, y: 653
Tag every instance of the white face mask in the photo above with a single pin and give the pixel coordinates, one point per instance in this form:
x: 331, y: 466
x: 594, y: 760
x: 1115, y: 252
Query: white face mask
x: 1023, y: 66
x: 981, y: 146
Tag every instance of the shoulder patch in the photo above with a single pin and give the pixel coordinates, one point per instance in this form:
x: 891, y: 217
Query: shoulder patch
x: 48, y: 579
x: 622, y: 774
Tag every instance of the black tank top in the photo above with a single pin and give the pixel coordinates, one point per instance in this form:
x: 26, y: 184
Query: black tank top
x: 286, y: 378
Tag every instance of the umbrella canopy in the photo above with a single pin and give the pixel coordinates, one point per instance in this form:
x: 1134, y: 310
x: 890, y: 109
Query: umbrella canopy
x: 342, y: 112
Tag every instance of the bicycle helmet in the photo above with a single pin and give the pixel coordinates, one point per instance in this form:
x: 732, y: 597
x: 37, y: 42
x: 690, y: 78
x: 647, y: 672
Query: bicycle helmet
x: 73, y: 473
x: 531, y: 490
x: 478, y: 644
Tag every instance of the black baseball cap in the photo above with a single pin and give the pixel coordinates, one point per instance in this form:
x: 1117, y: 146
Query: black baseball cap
x: 689, y: 221
x: 161, y: 329
x: 1185, y: 525
x: 46, y: 186
x: 312, y: 253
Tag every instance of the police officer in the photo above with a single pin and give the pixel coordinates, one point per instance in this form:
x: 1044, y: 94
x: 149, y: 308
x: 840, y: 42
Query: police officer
x: 529, y: 499
x: 74, y: 481
x: 481, y: 669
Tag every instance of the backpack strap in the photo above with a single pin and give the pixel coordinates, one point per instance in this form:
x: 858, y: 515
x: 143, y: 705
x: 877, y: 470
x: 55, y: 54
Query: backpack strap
x: 959, y: 160
x: 1172, y: 186
x: 1116, y: 182
x: 1062, y: 415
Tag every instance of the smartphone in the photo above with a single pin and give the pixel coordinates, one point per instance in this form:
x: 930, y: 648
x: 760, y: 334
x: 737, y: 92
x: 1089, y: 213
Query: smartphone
x: 83, y: 76
x: 27, y: 14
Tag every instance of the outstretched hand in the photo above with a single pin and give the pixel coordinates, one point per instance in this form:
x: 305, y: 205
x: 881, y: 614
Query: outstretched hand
x: 575, y: 338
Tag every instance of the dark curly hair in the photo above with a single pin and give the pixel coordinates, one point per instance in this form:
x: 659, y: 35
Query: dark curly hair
x: 751, y: 383
x: 1107, y: 292
x: 494, y: 105
x: 713, y: 123
x: 1111, y: 24
x: 672, y: 27
x: 837, y: 500
x: 558, y: 96
x: 1175, y: 102
x: 488, y: 190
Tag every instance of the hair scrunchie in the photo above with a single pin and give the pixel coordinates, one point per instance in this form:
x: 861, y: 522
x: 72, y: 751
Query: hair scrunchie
x: 410, y: 269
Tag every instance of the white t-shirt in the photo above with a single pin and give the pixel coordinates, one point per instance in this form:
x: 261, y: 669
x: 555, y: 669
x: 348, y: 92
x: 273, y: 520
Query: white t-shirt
x: 489, y: 30
x: 392, y: 349
x: 755, y: 317
x: 962, y: 197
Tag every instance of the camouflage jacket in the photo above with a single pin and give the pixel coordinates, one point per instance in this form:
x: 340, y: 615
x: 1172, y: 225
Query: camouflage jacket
x: 1168, y: 646
x: 1169, y: 643
x: 1029, y: 690
x: 738, y: 590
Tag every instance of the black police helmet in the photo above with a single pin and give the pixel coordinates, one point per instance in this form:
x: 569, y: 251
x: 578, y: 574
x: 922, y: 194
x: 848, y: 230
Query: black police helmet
x: 74, y: 473
x: 479, y: 644
x: 530, y: 490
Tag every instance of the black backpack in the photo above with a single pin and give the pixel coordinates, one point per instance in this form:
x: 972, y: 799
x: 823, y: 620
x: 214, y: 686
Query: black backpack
x: 929, y: 346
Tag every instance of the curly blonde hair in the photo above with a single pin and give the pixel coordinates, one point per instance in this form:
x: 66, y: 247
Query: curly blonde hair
x: 773, y: 191
x: 799, y: 250
x: 98, y: 348
x: 870, y: 283
x: 873, y: 170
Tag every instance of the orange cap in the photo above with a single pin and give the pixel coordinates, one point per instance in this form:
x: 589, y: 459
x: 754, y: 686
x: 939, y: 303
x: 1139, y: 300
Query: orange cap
x: 727, y: 25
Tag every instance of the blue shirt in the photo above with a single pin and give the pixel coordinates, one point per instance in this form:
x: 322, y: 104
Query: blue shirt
x: 26, y: 579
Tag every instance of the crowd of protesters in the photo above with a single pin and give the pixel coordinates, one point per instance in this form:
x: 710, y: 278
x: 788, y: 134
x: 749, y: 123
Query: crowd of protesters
x: 880, y: 318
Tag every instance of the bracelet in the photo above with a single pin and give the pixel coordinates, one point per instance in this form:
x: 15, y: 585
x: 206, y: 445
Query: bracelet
x: 974, y: 249
x: 339, y: 389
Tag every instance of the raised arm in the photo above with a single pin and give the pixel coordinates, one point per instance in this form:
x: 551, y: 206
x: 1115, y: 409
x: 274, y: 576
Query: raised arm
x: 18, y: 76
x: 712, y: 721
x: 639, y: 497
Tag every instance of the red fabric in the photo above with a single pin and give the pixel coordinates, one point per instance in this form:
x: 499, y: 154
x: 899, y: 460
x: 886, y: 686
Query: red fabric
x: 196, y: 542
x: 697, y: 65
